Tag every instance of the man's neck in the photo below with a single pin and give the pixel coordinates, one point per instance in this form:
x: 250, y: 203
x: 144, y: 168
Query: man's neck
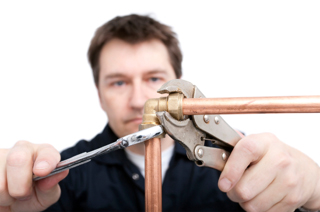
x: 139, y: 148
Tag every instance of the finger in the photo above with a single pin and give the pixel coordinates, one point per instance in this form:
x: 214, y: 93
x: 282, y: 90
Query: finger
x: 48, y: 190
x: 248, y: 150
x: 5, y: 199
x: 46, y: 184
x: 46, y: 159
x: 267, y: 199
x: 33, y: 204
x: 19, y: 170
x: 254, y: 180
x: 41, y: 198
x: 282, y: 206
x: 283, y: 192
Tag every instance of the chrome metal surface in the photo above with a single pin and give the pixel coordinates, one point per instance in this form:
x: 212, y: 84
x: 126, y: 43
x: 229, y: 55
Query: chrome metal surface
x: 142, y: 135
x: 206, y: 118
x: 212, y: 157
x: 200, y: 153
x: 121, y: 143
x: 216, y: 120
x: 224, y: 156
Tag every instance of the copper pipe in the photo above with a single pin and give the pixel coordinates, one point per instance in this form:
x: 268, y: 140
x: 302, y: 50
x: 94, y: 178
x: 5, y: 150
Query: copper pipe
x: 244, y: 105
x: 153, y: 175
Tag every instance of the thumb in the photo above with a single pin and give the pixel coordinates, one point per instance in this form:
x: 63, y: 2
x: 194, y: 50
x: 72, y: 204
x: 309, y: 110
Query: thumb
x: 46, y: 192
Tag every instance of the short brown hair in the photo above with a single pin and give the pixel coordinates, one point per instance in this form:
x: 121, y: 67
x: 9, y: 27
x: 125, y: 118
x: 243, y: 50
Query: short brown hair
x: 134, y: 29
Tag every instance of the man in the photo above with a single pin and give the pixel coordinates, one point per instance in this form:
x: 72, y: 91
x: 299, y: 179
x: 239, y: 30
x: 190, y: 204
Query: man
x: 131, y: 57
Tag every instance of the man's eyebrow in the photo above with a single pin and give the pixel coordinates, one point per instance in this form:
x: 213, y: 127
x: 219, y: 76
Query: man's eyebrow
x: 114, y: 75
x: 120, y: 75
x: 156, y: 71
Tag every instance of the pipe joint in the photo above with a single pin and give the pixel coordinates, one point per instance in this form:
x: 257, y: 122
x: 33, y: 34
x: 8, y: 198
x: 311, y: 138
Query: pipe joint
x: 172, y: 104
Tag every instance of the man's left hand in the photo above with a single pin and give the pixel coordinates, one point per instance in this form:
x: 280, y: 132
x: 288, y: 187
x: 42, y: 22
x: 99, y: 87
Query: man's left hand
x: 264, y: 174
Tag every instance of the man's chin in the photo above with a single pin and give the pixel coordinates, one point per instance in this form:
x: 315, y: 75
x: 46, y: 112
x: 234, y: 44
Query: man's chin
x: 131, y: 128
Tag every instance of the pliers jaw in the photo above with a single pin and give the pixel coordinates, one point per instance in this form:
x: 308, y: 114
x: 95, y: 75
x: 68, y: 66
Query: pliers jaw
x: 192, y: 131
x: 182, y: 131
x: 177, y: 86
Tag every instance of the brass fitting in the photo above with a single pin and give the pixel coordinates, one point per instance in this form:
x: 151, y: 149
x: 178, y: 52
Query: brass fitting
x: 172, y: 104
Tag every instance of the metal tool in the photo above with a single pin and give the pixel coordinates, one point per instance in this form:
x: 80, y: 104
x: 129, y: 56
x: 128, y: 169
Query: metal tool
x: 192, y: 131
x: 179, y: 114
x: 121, y: 143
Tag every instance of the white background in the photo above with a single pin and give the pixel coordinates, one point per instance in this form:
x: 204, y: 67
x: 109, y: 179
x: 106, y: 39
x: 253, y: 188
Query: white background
x: 231, y: 49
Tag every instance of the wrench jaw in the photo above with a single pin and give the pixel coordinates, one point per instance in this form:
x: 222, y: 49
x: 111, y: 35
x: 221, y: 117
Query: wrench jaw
x: 177, y: 86
x: 182, y: 131
x: 192, y: 131
x: 177, y: 90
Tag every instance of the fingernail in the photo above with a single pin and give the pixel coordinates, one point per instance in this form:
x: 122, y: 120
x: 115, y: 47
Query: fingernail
x: 42, y: 165
x: 225, y: 184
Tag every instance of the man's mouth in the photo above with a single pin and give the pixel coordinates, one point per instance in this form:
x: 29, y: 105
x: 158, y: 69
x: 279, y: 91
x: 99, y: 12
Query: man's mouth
x: 136, y: 120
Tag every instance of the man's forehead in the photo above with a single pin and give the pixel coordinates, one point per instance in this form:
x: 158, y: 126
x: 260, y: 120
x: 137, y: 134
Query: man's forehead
x: 121, y: 59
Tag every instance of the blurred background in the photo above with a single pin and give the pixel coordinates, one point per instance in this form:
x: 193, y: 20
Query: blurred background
x: 231, y: 49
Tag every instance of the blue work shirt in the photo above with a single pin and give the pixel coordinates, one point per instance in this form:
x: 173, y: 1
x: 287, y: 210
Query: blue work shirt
x: 111, y: 182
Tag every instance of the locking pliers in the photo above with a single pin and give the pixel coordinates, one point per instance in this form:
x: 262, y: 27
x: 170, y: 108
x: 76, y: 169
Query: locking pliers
x: 192, y: 131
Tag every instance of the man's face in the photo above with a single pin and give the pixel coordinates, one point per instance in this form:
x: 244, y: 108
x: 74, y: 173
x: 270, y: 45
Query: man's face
x: 130, y: 74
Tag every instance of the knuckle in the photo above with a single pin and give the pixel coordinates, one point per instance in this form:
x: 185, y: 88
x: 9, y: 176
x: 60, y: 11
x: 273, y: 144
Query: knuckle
x: 270, y: 136
x: 17, y: 158
x: 284, y: 160
x: 22, y: 143
x: 293, y: 200
x: 249, y: 146
x: 48, y: 152
x: 46, y: 146
x: 292, y: 182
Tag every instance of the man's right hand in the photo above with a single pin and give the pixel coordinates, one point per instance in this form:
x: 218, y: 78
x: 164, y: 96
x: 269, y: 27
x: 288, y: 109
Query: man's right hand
x: 18, y: 192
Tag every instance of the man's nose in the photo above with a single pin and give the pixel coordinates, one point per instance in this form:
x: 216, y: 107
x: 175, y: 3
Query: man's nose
x: 138, y: 97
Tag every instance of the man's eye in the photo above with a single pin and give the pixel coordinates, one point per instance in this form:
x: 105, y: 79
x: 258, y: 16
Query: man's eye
x: 119, y: 83
x: 154, y: 79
